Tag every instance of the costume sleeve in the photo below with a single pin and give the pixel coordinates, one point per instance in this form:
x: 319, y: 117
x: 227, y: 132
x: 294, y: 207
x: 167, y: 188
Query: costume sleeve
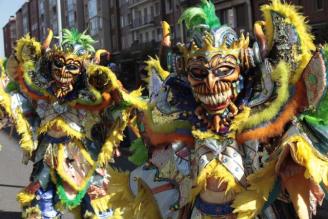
x: 19, y: 110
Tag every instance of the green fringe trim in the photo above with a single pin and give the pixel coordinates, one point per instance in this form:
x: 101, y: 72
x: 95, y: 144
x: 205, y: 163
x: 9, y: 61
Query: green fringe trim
x: 69, y: 203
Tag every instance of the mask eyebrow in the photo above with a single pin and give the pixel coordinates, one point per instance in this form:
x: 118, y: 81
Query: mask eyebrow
x: 74, y: 62
x: 200, y: 61
x: 230, y: 59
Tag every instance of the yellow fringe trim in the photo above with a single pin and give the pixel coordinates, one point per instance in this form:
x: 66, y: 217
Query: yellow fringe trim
x: 101, y: 204
x: 2, y: 70
x: 5, y: 102
x: 32, y: 212
x: 250, y: 202
x: 134, y: 98
x: 119, y: 189
x: 114, y: 138
x: 62, y: 124
x: 292, y: 16
x: 27, y: 41
x: 304, y: 154
x: 218, y: 171
x: 25, y: 130
x: 25, y: 198
x: 89, y: 215
x: 118, y: 214
x: 155, y: 64
x: 280, y: 75
x: 62, y: 173
x: 144, y: 205
x: 114, y: 83
x: 22, y: 126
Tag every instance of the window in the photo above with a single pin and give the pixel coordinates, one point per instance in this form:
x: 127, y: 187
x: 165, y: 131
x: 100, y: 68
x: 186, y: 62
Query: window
x: 152, y: 12
x: 112, y: 20
x: 159, y: 33
x: 41, y: 6
x: 157, y: 8
x: 25, y: 25
x: 92, y: 8
x: 169, y: 6
x: 147, y: 37
x: 54, y: 9
x: 153, y: 35
x: 140, y: 38
x: 53, y: 2
x: 70, y: 5
x: 100, y: 20
x: 319, y: 4
x: 129, y: 18
x: 94, y: 26
x: 228, y: 16
x: 145, y: 15
x: 241, y: 13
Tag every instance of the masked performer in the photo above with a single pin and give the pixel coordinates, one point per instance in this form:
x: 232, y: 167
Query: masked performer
x: 70, y: 114
x: 223, y: 135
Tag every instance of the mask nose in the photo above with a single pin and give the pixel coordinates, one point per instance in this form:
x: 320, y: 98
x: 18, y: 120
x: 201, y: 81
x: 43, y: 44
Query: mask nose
x: 211, y: 81
x: 63, y: 70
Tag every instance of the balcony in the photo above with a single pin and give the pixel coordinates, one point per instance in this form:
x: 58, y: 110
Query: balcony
x: 137, y: 47
x: 142, y: 22
x: 134, y: 3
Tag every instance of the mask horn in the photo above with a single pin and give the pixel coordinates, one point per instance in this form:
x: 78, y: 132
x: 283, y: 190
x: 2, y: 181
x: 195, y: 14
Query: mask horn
x: 261, y: 39
x: 165, y: 44
x: 48, y: 40
x: 99, y: 53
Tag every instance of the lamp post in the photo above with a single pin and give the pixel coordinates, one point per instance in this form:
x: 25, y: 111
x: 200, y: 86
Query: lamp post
x: 59, y: 17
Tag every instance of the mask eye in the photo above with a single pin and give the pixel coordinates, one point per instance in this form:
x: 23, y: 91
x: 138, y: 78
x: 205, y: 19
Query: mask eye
x: 72, y: 67
x: 223, y: 71
x: 198, y: 73
x: 59, y: 63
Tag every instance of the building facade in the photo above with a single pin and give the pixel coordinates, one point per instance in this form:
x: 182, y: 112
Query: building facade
x: 9, y: 35
x: 115, y: 30
x: 34, y: 18
x: 97, y: 21
x: 235, y: 13
x: 73, y: 14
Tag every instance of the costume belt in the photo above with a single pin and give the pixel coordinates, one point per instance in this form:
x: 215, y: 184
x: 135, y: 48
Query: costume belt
x: 214, y: 210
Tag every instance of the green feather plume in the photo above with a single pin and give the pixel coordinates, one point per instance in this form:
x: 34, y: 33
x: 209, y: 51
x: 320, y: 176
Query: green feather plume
x: 74, y: 37
x: 204, y: 14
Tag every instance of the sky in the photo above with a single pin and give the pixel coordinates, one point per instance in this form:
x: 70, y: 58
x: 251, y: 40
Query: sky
x: 7, y: 8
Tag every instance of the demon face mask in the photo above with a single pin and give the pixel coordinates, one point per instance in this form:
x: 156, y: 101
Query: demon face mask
x: 64, y: 71
x: 214, y: 74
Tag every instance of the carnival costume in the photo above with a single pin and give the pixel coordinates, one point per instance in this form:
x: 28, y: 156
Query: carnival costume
x: 70, y: 113
x: 231, y: 126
